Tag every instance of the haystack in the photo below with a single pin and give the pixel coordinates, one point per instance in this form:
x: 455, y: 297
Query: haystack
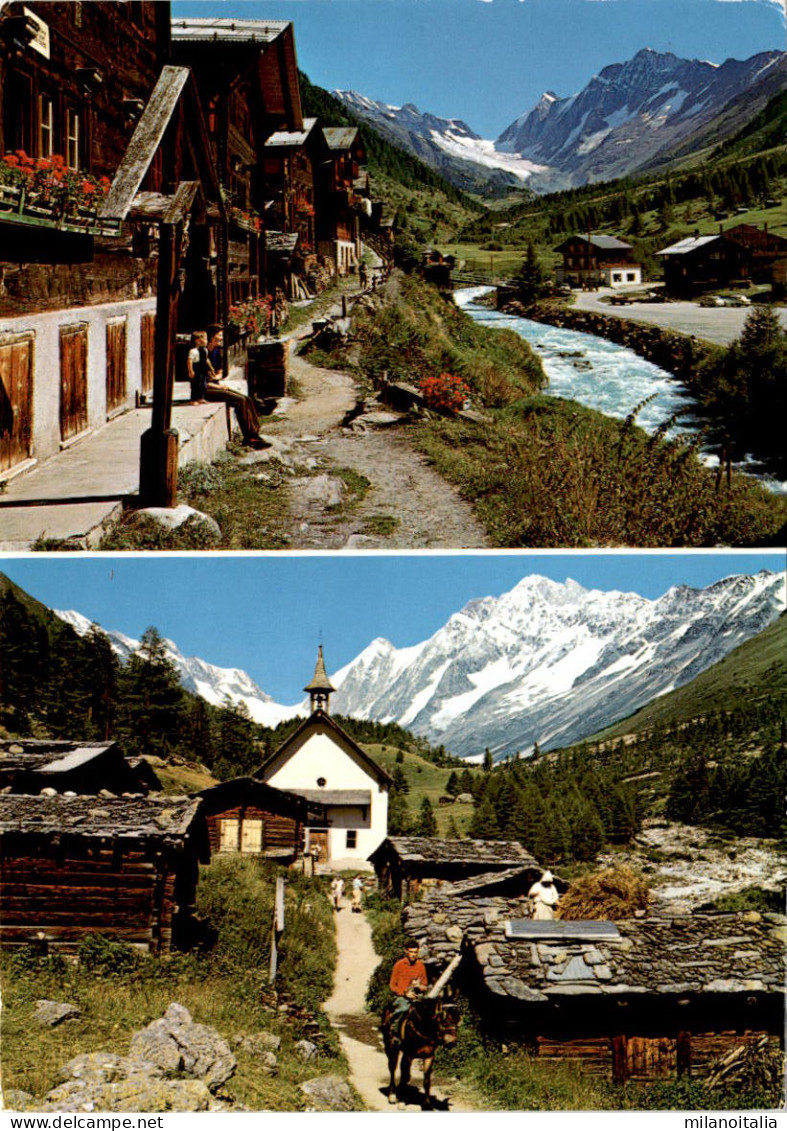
x: 614, y: 893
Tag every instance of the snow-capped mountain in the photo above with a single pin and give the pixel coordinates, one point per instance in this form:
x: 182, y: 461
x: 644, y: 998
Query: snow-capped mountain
x: 446, y: 144
x: 632, y: 112
x: 552, y: 662
x: 216, y: 685
x: 546, y: 662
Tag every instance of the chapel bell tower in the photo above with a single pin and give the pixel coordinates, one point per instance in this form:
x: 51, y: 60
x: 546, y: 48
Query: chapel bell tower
x: 320, y: 687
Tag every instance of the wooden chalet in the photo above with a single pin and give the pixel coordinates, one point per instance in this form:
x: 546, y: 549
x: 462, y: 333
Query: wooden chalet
x: 247, y: 816
x: 292, y: 159
x: 30, y: 766
x: 640, y: 999
x: 766, y: 253
x: 247, y: 75
x: 699, y: 263
x: 124, y: 868
x: 405, y: 864
x: 597, y: 261
x: 73, y: 81
x: 109, y: 208
x: 339, y: 202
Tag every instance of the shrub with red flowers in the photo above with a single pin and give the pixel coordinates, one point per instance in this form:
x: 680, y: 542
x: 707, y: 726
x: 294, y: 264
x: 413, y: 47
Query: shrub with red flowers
x: 445, y: 393
x: 48, y: 182
x: 252, y: 316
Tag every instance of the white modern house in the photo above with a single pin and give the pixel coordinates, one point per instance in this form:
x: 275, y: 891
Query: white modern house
x: 323, y: 764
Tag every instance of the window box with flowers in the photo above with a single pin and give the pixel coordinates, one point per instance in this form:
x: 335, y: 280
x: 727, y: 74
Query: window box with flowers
x: 44, y: 189
x: 251, y: 318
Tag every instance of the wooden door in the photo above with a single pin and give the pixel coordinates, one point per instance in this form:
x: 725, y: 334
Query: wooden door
x: 116, y: 364
x: 147, y: 330
x: 16, y: 400
x: 318, y: 844
x: 73, y: 380
x: 650, y: 1058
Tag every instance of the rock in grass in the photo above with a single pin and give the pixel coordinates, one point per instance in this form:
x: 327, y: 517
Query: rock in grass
x: 306, y: 1050
x: 176, y: 1044
x: 54, y: 1012
x: 107, y: 1068
x: 138, y: 1093
x: 172, y: 518
x: 328, y: 1093
x: 14, y: 1099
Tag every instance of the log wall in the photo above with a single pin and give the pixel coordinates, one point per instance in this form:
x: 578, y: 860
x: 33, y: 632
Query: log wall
x: 63, y: 893
x: 278, y: 830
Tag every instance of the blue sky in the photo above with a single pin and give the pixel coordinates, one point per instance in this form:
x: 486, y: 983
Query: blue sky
x: 488, y: 61
x: 265, y: 614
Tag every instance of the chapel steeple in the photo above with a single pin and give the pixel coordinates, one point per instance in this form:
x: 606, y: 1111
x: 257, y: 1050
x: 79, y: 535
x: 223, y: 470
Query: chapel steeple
x: 320, y: 688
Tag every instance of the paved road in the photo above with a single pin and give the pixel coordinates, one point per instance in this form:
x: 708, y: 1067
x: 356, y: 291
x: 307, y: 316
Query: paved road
x: 715, y: 324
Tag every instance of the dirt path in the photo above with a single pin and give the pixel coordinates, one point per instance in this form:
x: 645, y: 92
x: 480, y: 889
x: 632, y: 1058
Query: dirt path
x: 406, y: 504
x: 357, y: 1029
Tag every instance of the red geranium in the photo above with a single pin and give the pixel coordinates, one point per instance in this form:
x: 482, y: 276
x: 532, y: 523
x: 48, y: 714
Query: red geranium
x: 445, y: 393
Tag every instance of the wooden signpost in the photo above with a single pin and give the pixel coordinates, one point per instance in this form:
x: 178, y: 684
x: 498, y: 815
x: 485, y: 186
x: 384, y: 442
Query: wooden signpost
x: 278, y: 926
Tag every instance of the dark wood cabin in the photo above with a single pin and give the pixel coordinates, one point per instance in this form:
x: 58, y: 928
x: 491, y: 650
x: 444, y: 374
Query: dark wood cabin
x: 405, y: 864
x: 247, y: 816
x: 31, y: 765
x: 767, y: 253
x: 596, y: 261
x: 291, y: 159
x: 123, y: 868
x: 699, y: 263
x: 639, y: 999
x: 247, y: 75
x: 339, y: 205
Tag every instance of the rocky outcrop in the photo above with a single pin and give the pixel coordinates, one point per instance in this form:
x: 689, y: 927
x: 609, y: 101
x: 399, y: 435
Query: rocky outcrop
x: 52, y: 1013
x: 328, y: 1093
x: 176, y: 1044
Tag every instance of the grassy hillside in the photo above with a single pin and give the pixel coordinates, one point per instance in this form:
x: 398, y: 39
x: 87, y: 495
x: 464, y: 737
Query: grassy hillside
x: 754, y: 672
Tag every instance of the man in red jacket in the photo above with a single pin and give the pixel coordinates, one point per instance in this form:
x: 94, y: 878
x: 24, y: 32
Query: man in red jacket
x: 408, y: 980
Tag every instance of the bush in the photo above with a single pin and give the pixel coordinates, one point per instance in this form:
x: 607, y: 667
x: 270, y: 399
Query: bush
x: 446, y: 393
x: 101, y: 955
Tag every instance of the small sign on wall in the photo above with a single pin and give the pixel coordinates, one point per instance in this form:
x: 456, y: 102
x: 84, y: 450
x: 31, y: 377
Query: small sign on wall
x: 40, y: 42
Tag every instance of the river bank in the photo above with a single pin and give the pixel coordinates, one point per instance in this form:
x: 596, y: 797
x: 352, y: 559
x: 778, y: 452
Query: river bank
x: 689, y: 360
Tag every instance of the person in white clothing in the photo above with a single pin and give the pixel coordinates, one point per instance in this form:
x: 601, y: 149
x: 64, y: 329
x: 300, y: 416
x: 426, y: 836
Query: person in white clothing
x: 337, y: 891
x: 543, y: 896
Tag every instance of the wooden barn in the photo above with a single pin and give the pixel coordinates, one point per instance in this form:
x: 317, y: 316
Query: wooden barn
x: 405, y: 864
x: 249, y: 817
x: 597, y: 261
x: 639, y: 999
x: 702, y: 262
x: 32, y: 765
x: 766, y: 252
x: 125, y: 868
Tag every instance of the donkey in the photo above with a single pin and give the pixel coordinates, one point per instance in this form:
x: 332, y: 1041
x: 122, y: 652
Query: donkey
x: 429, y: 1023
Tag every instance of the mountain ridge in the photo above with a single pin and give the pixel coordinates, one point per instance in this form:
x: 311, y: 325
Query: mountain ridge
x: 547, y: 661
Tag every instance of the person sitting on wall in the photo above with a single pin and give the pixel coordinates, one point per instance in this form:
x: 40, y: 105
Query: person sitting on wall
x: 409, y: 980
x: 245, y: 412
x: 198, y: 365
x: 544, y: 897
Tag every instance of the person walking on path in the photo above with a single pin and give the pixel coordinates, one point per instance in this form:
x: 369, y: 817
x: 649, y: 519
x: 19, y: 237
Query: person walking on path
x: 337, y: 891
x: 357, y: 894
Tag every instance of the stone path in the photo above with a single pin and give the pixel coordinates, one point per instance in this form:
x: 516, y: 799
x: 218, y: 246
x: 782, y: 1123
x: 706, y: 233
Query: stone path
x: 357, y: 1029
x: 407, y: 505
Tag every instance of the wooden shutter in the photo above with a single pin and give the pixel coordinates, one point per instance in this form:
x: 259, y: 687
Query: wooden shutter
x: 228, y: 834
x: 650, y: 1058
x: 147, y: 329
x: 251, y: 836
x: 73, y: 380
x: 16, y: 400
x: 116, y: 364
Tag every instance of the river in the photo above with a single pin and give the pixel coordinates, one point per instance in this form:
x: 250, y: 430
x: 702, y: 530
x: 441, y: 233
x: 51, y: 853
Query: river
x: 604, y: 376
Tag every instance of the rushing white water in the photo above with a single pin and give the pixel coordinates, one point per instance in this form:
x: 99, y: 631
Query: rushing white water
x: 603, y: 375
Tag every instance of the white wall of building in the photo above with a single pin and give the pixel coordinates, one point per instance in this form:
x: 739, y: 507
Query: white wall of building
x: 46, y: 360
x: 320, y: 754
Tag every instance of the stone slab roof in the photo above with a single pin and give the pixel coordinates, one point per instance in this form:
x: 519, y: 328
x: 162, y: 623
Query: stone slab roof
x: 291, y: 139
x: 224, y: 30
x: 107, y: 817
x: 421, y: 848
x: 336, y: 796
x: 662, y: 954
x: 687, y: 245
x: 49, y: 755
x: 340, y: 137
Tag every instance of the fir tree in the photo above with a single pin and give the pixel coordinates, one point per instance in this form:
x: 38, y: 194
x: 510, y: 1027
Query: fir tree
x: 427, y: 823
